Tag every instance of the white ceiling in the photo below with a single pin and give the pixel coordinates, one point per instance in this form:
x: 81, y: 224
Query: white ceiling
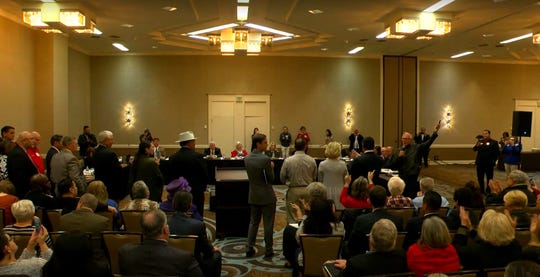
x: 478, y: 25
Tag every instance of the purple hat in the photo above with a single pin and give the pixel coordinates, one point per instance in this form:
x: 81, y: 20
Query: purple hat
x: 177, y: 185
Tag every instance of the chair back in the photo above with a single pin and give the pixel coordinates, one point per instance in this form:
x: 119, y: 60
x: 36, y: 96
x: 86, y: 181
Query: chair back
x: 494, y: 272
x: 132, y: 220
x: 54, y: 235
x: 462, y: 273
x: 2, y: 218
x: 523, y: 236
x: 317, y: 249
x: 114, y: 241
x: 54, y: 218
x: 348, y: 217
x: 183, y: 242
x: 404, y: 213
x: 21, y: 240
x: 399, y: 240
x: 109, y: 217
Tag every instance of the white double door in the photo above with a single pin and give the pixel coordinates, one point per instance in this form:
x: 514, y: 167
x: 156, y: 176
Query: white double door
x: 232, y: 118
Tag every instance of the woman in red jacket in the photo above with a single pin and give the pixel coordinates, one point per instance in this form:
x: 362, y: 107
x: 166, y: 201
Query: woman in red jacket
x: 434, y: 252
x: 239, y: 151
x: 357, y: 196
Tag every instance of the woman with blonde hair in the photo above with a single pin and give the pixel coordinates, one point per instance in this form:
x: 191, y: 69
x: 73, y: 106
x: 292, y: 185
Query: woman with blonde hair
x: 434, y: 251
x: 495, y: 244
x: 99, y: 190
x: 332, y: 171
x: 515, y: 201
x: 357, y: 196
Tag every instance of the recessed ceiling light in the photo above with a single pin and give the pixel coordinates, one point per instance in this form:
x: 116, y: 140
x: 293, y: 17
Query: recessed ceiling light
x: 516, y: 38
x: 316, y: 11
x: 356, y: 50
x: 126, y: 25
x: 154, y: 47
x: 352, y: 29
x: 120, y: 47
x: 461, y: 54
x: 169, y: 8
x: 486, y: 56
x: 324, y: 49
x: 488, y: 35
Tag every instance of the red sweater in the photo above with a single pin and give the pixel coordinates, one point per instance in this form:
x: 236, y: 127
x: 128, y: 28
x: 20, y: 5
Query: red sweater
x: 350, y: 202
x: 427, y: 261
x: 37, y: 159
x: 234, y: 153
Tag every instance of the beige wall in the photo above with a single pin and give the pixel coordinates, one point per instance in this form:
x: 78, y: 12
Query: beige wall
x: 79, y: 92
x: 169, y: 93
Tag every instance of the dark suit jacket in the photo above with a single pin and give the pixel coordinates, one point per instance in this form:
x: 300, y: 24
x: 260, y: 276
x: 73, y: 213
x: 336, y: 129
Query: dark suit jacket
x: 65, y: 165
x: 408, y: 163
x: 156, y: 258
x: 480, y: 254
x: 351, y: 141
x: 414, y: 226
x: 276, y: 153
x: 180, y: 224
x: 362, y: 165
x: 85, y: 142
x: 418, y: 138
x: 48, y: 158
x: 359, y: 243
x: 498, y: 198
x: 261, y: 176
x: 190, y: 165
x: 376, y: 263
x: 20, y: 169
x: 147, y: 170
x: 84, y: 220
x: 217, y: 152
x: 108, y: 169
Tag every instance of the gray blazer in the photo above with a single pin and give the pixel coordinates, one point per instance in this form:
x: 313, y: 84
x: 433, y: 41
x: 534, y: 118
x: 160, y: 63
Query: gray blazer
x: 261, y: 176
x: 65, y: 165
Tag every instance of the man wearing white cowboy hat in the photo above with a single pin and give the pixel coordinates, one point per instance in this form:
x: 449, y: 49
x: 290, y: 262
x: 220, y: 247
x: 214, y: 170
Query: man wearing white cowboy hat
x: 190, y: 165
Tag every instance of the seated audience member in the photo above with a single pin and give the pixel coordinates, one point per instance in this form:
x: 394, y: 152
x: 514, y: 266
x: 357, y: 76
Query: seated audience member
x: 532, y: 251
x: 434, y: 251
x: 515, y: 202
x: 522, y: 269
x: 357, y: 195
x: 319, y: 221
x: 176, y: 185
x: 430, y: 207
x: 155, y: 257
x: 382, y: 258
x: 478, y: 196
x: 23, y: 211
x: 40, y: 192
x: 105, y: 204
x: 68, y: 200
x: 517, y: 180
x: 181, y: 223
x: 239, y: 151
x: 7, y: 198
x: 358, y: 242
x: 83, y: 219
x: 212, y: 151
x: 462, y: 198
x: 28, y: 263
x: 495, y: 244
x: 140, y: 194
x: 73, y: 256
x: 272, y: 152
x: 388, y: 157
x: 396, y: 186
x: 426, y: 184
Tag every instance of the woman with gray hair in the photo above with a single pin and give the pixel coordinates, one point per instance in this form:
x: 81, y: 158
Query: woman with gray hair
x: 517, y: 180
x: 24, y: 211
x: 382, y: 258
x: 140, y: 194
x: 332, y: 171
x: 396, y: 186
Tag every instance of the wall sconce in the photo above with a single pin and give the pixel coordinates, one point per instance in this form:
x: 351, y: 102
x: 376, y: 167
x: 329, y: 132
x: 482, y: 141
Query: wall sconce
x: 448, y: 117
x: 348, y: 116
x: 129, y: 118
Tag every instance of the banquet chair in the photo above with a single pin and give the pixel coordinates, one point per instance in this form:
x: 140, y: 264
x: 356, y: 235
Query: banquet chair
x: 132, y: 220
x: 114, y: 241
x: 403, y: 213
x: 317, y: 249
x: 183, y: 242
x: 54, y: 218
x: 21, y: 240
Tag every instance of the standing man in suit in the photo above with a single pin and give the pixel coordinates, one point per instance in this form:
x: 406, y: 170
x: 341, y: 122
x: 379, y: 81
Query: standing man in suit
x: 189, y: 164
x: 86, y: 139
x: 370, y: 161
x: 419, y: 139
x: 56, y: 146
x: 407, y: 160
x: 107, y: 168
x: 262, y: 199
x: 285, y: 139
x: 65, y: 165
x: 83, y: 219
x: 487, y: 153
x: 159, y: 151
x: 154, y: 256
x: 212, y: 151
x: 19, y: 165
x: 8, y: 137
x: 355, y: 142
x: 359, y: 241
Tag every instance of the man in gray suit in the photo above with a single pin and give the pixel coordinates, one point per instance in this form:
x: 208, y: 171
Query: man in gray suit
x: 262, y: 199
x: 83, y: 219
x: 65, y: 165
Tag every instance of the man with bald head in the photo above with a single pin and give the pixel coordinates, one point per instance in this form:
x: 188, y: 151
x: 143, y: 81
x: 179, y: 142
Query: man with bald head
x: 34, y: 154
x: 407, y: 161
x: 19, y: 165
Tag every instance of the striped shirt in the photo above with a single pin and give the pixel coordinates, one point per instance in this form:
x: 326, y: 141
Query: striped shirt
x: 14, y: 230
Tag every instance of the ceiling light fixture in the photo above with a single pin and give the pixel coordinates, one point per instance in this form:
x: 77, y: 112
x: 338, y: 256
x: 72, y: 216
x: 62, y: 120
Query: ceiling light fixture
x: 268, y: 29
x: 120, y: 47
x: 461, y: 54
x: 54, y: 17
x: 169, y: 8
x: 315, y: 11
x: 242, y: 13
x: 243, y: 1
x: 437, y: 6
x: 516, y: 38
x: 212, y: 29
x: 536, y: 38
x: 356, y: 50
